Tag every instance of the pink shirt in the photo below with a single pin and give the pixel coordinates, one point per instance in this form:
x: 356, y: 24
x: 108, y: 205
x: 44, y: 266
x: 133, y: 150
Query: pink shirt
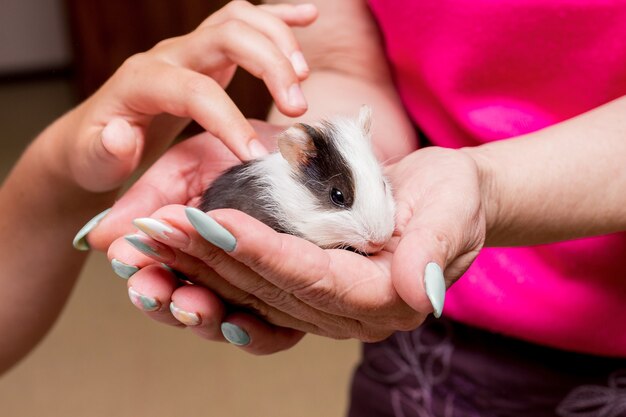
x: 474, y: 71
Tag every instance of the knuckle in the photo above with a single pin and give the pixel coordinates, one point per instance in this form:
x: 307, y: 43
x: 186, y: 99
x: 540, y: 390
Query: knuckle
x: 253, y: 305
x: 196, y: 85
x: 273, y: 296
x: 134, y: 64
x: 233, y: 28
x: 237, y: 6
x: 213, y: 257
x: 316, y: 293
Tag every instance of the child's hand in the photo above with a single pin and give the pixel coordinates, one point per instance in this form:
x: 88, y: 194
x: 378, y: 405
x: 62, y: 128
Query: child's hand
x: 152, y: 96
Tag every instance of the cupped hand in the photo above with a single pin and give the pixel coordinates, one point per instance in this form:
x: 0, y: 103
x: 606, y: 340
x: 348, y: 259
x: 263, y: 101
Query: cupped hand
x: 440, y: 221
x: 335, y: 293
x: 136, y: 114
x: 179, y: 177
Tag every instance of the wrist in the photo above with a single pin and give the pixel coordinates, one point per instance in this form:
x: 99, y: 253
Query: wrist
x: 489, y: 191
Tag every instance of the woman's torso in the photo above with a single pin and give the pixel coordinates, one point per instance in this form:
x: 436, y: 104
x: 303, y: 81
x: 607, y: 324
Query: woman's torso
x: 472, y: 71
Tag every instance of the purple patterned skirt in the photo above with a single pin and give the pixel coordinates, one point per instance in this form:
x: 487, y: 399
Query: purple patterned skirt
x: 446, y: 369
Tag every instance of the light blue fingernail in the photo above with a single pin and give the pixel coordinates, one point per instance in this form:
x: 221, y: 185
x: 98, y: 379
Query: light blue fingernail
x: 435, y: 286
x: 80, y: 240
x: 123, y: 270
x: 211, y: 230
x: 235, y: 334
x: 141, y: 244
x: 143, y: 302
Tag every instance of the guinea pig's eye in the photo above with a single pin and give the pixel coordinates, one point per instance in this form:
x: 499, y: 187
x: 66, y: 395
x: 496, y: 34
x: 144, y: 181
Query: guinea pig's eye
x: 336, y: 196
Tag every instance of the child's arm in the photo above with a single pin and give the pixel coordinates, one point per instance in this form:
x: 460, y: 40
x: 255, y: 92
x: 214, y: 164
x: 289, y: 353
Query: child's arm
x: 74, y: 168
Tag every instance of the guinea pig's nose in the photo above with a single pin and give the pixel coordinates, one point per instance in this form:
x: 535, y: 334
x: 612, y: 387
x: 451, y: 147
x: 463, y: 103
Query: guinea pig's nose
x: 373, y: 246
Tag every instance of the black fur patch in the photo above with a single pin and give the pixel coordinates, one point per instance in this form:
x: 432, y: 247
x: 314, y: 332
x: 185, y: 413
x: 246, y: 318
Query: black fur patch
x: 240, y: 192
x: 328, y: 169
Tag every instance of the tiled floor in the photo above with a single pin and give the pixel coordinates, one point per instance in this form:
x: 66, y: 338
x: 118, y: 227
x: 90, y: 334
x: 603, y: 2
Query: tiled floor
x: 104, y: 359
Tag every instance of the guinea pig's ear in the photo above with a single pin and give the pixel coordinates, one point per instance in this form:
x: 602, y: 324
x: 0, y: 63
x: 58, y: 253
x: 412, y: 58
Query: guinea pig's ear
x: 365, y: 118
x: 296, y: 145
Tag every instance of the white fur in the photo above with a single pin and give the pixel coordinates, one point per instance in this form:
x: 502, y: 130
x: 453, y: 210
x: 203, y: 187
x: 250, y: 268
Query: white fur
x: 371, y: 217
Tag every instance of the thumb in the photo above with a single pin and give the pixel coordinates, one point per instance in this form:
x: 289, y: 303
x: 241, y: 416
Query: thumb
x: 418, y: 270
x: 110, y: 157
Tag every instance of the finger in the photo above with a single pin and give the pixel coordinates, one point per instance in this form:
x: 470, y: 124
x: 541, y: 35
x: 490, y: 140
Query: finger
x: 186, y: 93
x: 109, y: 157
x: 204, y: 314
x: 207, y: 265
x: 292, y: 14
x: 238, y: 42
x: 258, y: 337
x: 150, y: 290
x: 273, y: 21
x: 417, y: 270
x: 125, y: 260
x: 343, y: 289
x: 244, y: 286
x: 200, y: 310
x: 180, y: 175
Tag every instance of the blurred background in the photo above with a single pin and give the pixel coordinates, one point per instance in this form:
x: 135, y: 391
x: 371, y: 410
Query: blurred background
x: 103, y: 358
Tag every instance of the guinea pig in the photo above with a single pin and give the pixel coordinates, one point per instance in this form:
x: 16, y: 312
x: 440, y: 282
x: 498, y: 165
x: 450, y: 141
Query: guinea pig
x: 324, y: 185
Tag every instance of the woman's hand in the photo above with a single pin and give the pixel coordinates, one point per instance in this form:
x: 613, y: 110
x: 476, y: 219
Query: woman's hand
x: 441, y: 221
x: 179, y: 177
x: 334, y: 293
x: 136, y: 114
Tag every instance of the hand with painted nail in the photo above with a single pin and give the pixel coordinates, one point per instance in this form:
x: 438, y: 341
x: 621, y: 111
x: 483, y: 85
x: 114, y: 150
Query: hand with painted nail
x: 136, y: 114
x: 167, y: 296
x: 336, y: 293
x: 160, y: 292
x: 288, y: 282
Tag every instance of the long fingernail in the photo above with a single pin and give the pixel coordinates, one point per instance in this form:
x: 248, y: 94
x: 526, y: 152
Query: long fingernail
x: 185, y: 317
x: 257, y: 150
x: 235, y: 334
x: 179, y: 275
x: 123, y: 270
x: 143, y: 302
x: 211, y: 230
x: 161, y: 231
x: 151, y: 247
x: 299, y: 63
x: 80, y: 240
x: 296, y: 98
x: 435, y: 286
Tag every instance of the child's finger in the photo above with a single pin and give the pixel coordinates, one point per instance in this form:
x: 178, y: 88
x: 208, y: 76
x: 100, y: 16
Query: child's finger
x: 244, y: 45
x: 272, y: 21
x: 109, y: 158
x: 186, y: 93
x: 291, y: 14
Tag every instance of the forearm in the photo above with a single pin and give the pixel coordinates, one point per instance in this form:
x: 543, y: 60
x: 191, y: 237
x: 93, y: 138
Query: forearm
x: 349, y: 69
x: 41, y: 211
x: 563, y: 182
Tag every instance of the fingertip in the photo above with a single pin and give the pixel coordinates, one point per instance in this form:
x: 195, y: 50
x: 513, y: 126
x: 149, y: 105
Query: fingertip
x: 256, y: 149
x: 299, y: 64
x: 257, y: 336
x: 418, y: 277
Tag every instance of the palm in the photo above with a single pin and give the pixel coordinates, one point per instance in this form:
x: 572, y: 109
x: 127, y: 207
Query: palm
x: 179, y: 177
